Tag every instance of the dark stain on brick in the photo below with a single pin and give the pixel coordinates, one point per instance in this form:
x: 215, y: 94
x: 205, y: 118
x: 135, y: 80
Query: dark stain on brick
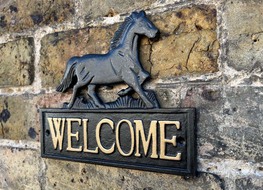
x: 13, y: 9
x: 83, y: 171
x: 37, y: 18
x: 214, y: 12
x: 32, y: 133
x: 4, y: 115
x: 210, y: 95
x: 226, y: 111
x: 179, y: 14
x: 198, y: 27
x: 148, y: 188
x: 2, y: 21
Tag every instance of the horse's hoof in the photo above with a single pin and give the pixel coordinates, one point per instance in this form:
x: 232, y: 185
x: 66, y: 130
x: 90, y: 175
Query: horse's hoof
x: 65, y: 105
x: 122, y: 93
x: 153, y: 105
x: 99, y: 106
x: 107, y: 106
x: 69, y: 106
x: 150, y: 106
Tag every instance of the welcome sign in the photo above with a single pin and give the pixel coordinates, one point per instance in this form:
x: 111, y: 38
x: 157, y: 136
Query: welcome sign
x: 131, y: 133
x: 156, y: 140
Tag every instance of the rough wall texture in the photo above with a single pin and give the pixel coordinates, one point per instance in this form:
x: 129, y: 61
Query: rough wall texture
x: 209, y: 56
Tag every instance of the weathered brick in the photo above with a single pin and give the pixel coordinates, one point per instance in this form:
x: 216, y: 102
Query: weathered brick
x: 87, y: 176
x: 19, y: 118
x: 91, y: 9
x: 16, y: 16
x: 188, y: 42
x: 19, y: 169
x: 19, y: 115
x: 243, y: 17
x: 209, y: 103
x: 53, y: 100
x: 244, y: 113
x: 229, y: 121
x: 17, y: 63
x: 245, y: 40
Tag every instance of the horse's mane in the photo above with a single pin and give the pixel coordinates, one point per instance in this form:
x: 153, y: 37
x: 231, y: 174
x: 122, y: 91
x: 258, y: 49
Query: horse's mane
x: 120, y: 32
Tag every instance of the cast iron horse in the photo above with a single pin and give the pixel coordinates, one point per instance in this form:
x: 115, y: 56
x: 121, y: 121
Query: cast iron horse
x: 120, y: 64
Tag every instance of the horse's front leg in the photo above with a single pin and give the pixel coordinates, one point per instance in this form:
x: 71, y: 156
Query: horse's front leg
x: 143, y: 75
x: 132, y: 80
x: 82, y: 81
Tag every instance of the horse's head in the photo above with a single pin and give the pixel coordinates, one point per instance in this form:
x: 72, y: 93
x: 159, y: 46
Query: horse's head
x: 143, y: 25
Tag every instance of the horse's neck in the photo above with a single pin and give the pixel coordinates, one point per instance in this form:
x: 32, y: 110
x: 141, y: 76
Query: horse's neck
x: 135, y: 45
x: 130, y: 43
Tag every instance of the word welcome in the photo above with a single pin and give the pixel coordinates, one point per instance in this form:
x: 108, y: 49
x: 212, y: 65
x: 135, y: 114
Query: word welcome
x: 62, y: 128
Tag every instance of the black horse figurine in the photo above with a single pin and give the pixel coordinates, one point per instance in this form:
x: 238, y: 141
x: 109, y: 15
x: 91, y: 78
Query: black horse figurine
x: 120, y: 64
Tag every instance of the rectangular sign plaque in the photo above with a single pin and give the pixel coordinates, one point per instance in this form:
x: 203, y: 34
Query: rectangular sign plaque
x: 159, y: 140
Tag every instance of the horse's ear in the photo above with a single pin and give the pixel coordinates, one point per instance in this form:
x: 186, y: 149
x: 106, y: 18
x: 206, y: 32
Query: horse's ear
x: 142, y: 13
x: 135, y: 15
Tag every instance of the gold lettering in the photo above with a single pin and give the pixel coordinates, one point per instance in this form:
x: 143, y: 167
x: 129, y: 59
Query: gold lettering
x: 163, y: 140
x: 85, y: 138
x: 70, y: 134
x: 57, y: 132
x: 110, y: 123
x: 118, y: 137
x: 146, y: 143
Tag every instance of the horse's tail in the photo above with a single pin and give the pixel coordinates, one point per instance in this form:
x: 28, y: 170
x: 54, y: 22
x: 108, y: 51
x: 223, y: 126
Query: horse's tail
x: 68, y: 75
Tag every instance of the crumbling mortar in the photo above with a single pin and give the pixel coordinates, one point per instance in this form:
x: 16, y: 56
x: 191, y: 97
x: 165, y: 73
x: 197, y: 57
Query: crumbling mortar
x: 42, y: 174
x: 20, y: 144
x: 231, y: 167
x: 2, y: 129
x: 209, y: 78
x: 150, y: 56
x: 164, y: 7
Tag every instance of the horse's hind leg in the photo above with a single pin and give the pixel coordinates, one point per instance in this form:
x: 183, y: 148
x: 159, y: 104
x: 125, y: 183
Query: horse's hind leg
x: 81, y: 82
x: 125, y: 91
x: 94, y: 97
x: 72, y: 100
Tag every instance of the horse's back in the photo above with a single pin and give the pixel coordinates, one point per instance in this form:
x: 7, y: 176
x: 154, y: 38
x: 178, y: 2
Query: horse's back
x: 92, y: 60
x: 99, y: 67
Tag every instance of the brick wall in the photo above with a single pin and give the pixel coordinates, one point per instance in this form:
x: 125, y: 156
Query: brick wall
x: 209, y: 56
